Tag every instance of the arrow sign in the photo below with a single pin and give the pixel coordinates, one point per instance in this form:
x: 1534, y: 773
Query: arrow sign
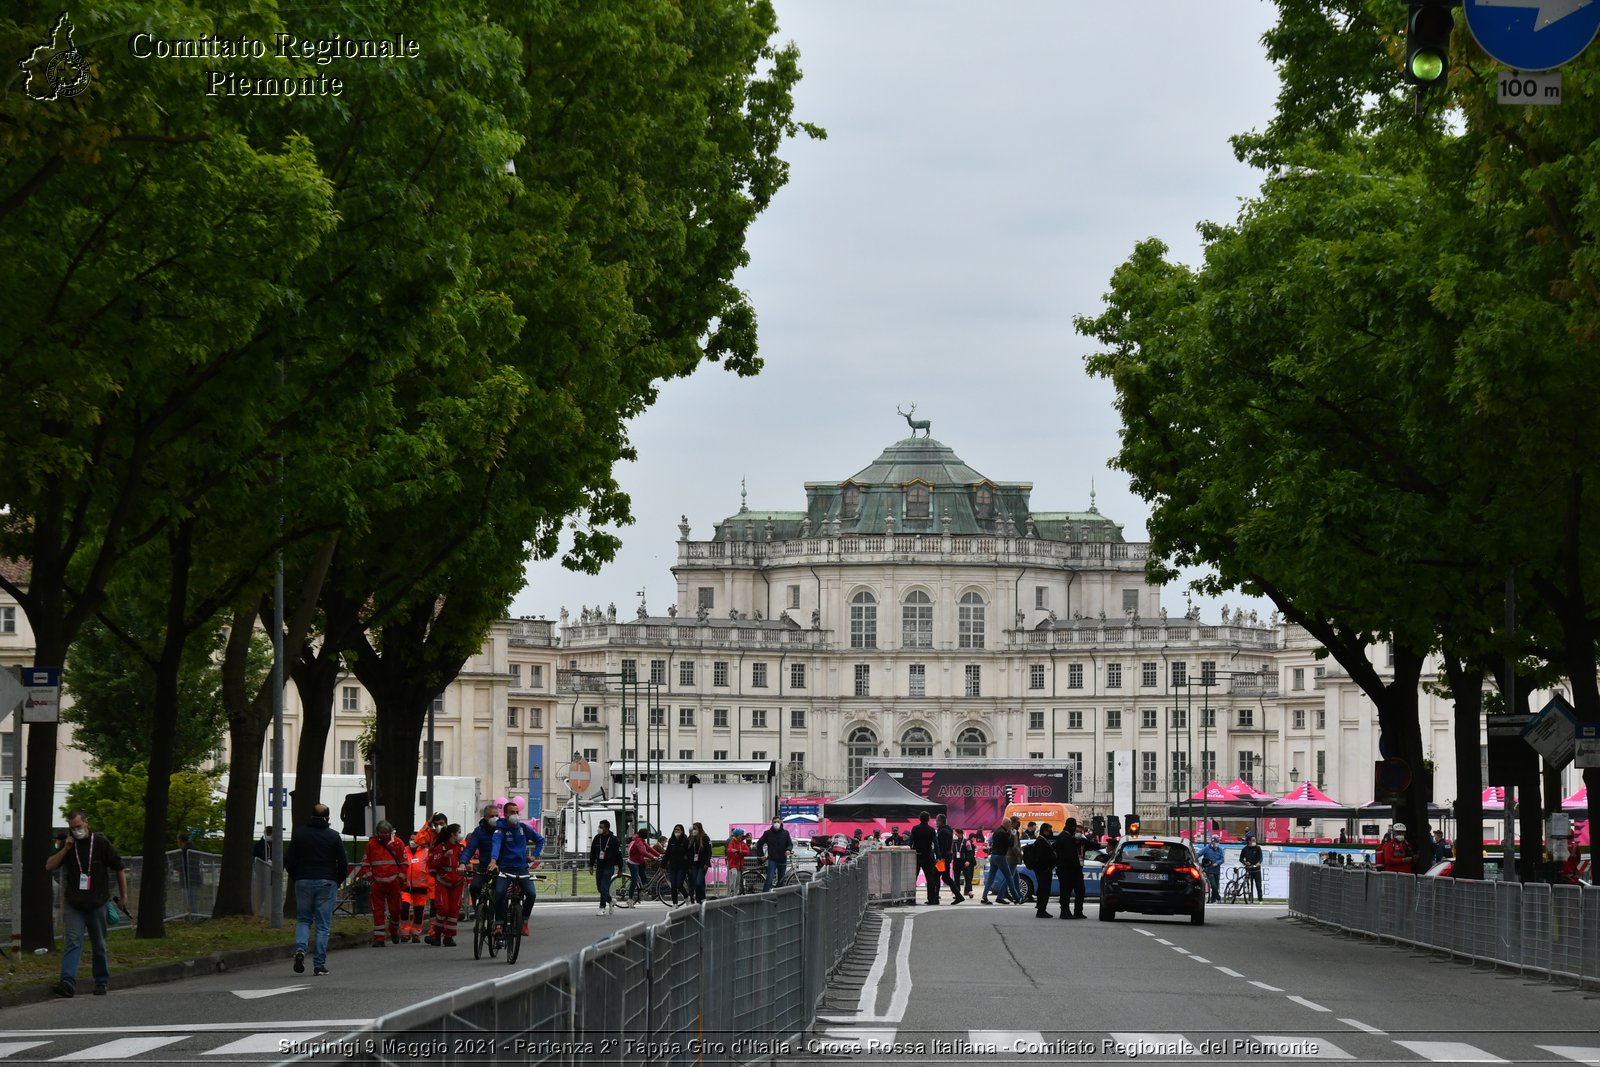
x: 258, y: 994
x: 1533, y: 34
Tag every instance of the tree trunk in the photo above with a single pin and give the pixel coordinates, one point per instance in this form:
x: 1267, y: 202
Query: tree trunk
x: 1466, y: 689
x: 39, y: 815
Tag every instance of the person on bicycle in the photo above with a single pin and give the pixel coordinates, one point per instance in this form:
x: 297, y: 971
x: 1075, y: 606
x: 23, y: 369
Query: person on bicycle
x: 640, y: 854
x: 1250, y: 856
x: 775, y: 847
x: 605, y: 859
x: 516, y: 846
x: 737, y: 849
x: 476, y: 852
x: 1211, y: 864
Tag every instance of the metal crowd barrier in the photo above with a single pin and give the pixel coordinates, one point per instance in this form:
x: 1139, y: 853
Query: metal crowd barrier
x: 1535, y: 928
x: 732, y: 981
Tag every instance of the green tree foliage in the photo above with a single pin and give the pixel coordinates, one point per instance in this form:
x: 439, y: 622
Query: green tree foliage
x: 113, y: 691
x: 114, y: 804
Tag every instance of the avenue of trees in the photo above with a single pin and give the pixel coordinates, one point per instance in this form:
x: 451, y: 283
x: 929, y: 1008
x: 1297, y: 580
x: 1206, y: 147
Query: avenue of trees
x: 1375, y: 400
x: 391, y: 337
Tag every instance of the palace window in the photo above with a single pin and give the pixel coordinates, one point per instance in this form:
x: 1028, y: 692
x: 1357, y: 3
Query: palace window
x: 916, y: 620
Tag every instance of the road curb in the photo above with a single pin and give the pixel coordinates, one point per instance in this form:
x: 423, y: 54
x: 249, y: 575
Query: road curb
x: 177, y: 970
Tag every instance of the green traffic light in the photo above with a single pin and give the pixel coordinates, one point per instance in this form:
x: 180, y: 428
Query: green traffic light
x: 1427, y: 67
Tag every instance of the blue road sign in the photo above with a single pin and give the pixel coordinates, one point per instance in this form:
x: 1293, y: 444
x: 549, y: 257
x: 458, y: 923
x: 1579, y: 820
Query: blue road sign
x: 1533, y: 34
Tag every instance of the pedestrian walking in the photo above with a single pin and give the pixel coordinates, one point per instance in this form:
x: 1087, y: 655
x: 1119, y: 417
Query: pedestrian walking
x: 775, y: 846
x: 945, y: 862
x: 384, y: 864
x: 676, y: 857
x: 1210, y: 857
x: 999, y: 874
x: 418, y: 890
x: 735, y: 852
x: 1441, y: 848
x: 317, y: 864
x: 1040, y: 854
x: 1069, y: 849
x: 699, y: 862
x: 86, y: 861
x: 605, y: 860
x: 966, y: 860
x: 449, y: 879
x: 925, y: 843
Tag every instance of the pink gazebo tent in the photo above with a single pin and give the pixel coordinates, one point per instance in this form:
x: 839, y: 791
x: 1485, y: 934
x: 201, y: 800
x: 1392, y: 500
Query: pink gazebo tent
x: 1307, y: 795
x: 1494, y: 796
x: 1243, y: 790
x: 1214, y: 793
x: 1578, y: 801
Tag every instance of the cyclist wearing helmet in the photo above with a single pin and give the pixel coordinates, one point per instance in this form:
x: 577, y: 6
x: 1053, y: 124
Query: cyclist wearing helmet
x: 1395, y: 854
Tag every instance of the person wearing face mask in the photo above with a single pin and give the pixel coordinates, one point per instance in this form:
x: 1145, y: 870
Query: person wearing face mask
x: 384, y: 865
x: 476, y: 853
x: 444, y: 864
x: 316, y: 863
x: 774, y: 846
x: 515, y: 849
x: 86, y: 861
x: 676, y: 856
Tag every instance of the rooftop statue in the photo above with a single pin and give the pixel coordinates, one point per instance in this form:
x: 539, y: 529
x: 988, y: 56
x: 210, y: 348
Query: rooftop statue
x: 915, y: 424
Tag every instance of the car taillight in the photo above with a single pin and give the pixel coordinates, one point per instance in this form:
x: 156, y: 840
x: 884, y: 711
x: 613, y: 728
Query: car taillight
x: 1190, y: 871
x: 1114, y: 869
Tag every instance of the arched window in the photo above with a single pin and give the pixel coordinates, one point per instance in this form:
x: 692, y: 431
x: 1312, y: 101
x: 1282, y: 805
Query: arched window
x: 970, y: 617
x: 849, y: 501
x: 917, y: 501
x: 862, y: 745
x: 972, y: 744
x: 983, y: 502
x: 916, y: 620
x: 863, y: 620
x: 916, y: 742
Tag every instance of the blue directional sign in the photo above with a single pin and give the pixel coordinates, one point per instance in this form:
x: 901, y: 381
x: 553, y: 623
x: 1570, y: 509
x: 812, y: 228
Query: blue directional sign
x: 1533, y: 34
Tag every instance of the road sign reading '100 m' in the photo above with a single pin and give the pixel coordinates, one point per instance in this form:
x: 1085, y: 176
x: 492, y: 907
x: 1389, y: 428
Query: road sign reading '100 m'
x: 1533, y: 34
x: 1521, y: 89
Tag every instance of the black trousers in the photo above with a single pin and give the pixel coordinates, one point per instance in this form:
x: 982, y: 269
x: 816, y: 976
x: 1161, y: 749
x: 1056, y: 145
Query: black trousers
x: 1071, y: 879
x: 1041, y: 891
x: 928, y: 865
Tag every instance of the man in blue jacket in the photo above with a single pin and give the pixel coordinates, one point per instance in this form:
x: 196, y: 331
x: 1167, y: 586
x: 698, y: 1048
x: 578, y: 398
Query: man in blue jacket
x: 515, y: 845
x: 1211, y: 863
x: 479, y: 842
x: 316, y: 861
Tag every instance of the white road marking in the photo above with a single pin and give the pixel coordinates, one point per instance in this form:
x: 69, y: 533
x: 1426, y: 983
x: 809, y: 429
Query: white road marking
x: 1577, y: 1053
x: 1263, y: 985
x: 1304, y: 1003
x: 869, y: 989
x: 11, y: 1048
x: 258, y: 994
x: 1162, y: 941
x: 1230, y: 972
x: 120, y: 1049
x: 257, y: 1044
x: 840, y: 1041
x: 1151, y: 1044
x: 1300, y: 1047
x: 1359, y: 1025
x: 1146, y: 933
x: 1450, y: 1052
x: 899, y: 999
x: 199, y: 1028
x: 1179, y: 948
x: 1198, y: 959
x: 902, y: 983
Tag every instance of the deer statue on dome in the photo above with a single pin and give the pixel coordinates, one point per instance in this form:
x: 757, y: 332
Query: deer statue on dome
x: 915, y: 424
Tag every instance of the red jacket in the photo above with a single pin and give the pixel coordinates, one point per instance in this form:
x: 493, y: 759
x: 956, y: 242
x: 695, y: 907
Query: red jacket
x: 738, y: 848
x: 639, y: 852
x: 445, y: 863
x: 385, y: 861
x: 1394, y: 856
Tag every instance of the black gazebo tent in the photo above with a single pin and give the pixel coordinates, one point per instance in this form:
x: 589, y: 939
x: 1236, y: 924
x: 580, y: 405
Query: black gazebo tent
x: 880, y: 797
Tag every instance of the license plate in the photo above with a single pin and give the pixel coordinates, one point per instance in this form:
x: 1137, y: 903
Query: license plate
x: 1149, y: 876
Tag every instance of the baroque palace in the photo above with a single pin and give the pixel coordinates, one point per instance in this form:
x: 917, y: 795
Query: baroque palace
x: 916, y: 608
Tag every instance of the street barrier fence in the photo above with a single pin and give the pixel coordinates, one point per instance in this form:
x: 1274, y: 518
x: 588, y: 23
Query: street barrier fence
x: 1536, y: 928
x: 736, y: 980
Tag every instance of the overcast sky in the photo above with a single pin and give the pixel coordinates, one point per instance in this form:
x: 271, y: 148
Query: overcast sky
x: 987, y: 167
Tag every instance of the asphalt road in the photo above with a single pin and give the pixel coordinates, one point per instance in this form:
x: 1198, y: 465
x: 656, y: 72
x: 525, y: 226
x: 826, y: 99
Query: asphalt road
x: 953, y: 984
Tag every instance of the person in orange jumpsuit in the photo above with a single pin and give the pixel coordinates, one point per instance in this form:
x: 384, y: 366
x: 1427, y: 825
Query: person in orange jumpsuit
x: 444, y: 860
x: 384, y: 865
x: 419, y: 887
x: 424, y: 838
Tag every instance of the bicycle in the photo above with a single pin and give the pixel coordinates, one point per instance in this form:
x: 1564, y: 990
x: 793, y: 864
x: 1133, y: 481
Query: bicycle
x: 515, y: 916
x: 626, y: 890
x: 1238, y: 886
x: 483, y: 924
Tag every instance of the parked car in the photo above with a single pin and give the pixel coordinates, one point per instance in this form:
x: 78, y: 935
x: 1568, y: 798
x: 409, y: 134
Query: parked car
x: 1447, y: 869
x: 1153, y: 876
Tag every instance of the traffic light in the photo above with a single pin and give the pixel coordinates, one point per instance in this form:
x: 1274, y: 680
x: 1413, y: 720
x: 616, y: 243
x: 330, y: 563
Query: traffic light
x: 1097, y: 826
x: 1132, y: 823
x: 1428, y: 42
x: 1113, y: 827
